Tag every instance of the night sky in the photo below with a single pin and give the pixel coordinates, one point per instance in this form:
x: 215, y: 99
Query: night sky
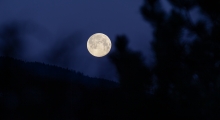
x: 63, y: 28
x: 178, y: 77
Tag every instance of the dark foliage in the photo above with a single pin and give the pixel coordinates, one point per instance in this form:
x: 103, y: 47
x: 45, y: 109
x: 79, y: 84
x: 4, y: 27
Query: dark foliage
x: 133, y: 74
x: 38, y: 91
x: 10, y: 37
x: 134, y: 78
x: 187, y: 72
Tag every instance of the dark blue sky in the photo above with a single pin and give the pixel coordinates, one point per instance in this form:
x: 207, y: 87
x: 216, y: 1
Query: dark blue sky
x: 64, y: 26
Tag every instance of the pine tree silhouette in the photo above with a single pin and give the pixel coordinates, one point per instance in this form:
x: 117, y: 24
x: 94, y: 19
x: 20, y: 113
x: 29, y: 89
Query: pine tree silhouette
x: 134, y: 77
x: 180, y: 63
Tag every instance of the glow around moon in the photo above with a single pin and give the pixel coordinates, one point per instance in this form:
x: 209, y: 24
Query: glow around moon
x: 99, y: 44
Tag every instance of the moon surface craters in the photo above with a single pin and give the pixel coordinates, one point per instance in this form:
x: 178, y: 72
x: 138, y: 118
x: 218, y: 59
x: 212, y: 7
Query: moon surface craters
x: 99, y: 44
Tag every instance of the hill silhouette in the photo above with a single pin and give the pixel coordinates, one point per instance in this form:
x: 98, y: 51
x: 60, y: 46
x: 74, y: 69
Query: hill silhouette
x: 32, y: 90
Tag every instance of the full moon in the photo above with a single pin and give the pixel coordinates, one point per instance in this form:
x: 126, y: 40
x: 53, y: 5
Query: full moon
x: 99, y: 44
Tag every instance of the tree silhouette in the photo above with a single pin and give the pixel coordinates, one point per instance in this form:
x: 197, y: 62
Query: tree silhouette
x: 133, y: 73
x: 10, y: 37
x: 187, y: 71
x: 134, y: 76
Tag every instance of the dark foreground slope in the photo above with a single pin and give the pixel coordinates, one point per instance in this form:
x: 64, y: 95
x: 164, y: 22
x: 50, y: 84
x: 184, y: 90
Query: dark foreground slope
x: 37, y: 91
